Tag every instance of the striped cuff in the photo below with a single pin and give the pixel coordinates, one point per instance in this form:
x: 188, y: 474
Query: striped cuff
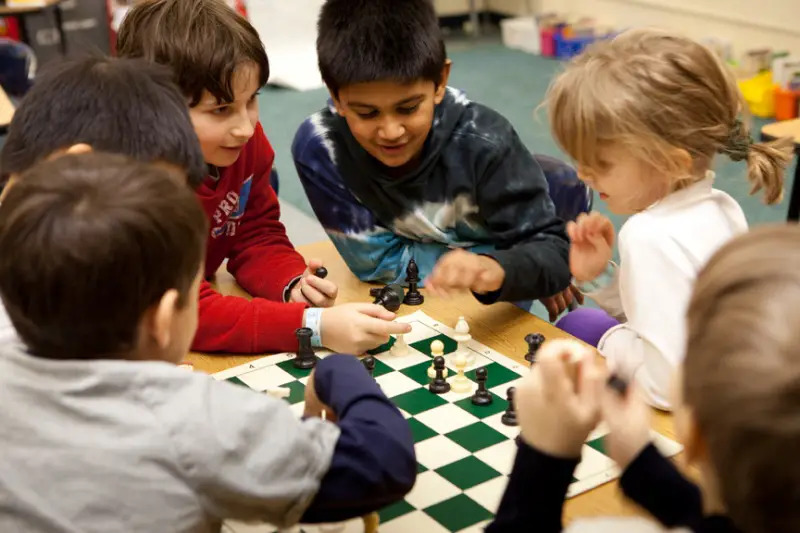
x: 313, y: 321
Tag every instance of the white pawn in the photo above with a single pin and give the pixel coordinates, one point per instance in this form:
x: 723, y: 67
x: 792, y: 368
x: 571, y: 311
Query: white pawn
x: 462, y: 336
x: 399, y: 348
x: 437, y: 349
x: 460, y: 383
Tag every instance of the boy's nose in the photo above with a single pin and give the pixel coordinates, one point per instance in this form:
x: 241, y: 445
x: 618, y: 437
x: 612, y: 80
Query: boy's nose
x: 244, y: 128
x: 391, y: 131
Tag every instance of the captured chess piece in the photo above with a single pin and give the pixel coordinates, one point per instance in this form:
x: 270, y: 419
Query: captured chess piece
x: 481, y: 396
x: 439, y: 385
x: 369, y: 364
x: 321, y: 272
x: 305, y: 358
x: 413, y: 296
x: 437, y: 350
x: 535, y: 341
x: 509, y: 418
x: 390, y: 297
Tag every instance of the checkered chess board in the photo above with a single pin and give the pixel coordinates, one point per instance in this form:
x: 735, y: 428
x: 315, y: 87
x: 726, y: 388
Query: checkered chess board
x: 464, y: 452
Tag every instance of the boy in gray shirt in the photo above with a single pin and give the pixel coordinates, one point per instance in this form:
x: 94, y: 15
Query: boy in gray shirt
x: 100, y: 264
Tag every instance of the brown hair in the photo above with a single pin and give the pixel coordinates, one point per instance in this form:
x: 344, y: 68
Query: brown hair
x: 742, y: 375
x: 652, y: 92
x: 203, y: 41
x: 87, y: 244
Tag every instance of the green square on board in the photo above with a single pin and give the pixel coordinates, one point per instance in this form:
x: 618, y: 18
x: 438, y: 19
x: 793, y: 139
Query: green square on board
x: 383, y: 347
x: 458, y: 512
x: 237, y: 381
x: 420, y: 431
x: 418, y: 401
x: 380, y: 369
x: 599, y: 444
x: 476, y: 437
x: 424, y: 346
x: 418, y: 373
x: 421, y: 468
x: 468, y: 472
x: 498, y: 405
x: 288, y: 367
x: 496, y: 374
x: 297, y: 392
x: 396, y: 509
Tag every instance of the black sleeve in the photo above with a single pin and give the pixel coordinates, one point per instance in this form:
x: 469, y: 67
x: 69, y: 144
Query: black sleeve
x: 534, y: 496
x: 373, y: 464
x: 652, y: 481
x: 532, y: 243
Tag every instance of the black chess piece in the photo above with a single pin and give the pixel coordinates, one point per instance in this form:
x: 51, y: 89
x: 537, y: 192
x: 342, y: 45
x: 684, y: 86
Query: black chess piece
x: 509, y: 418
x: 413, y: 296
x: 305, y: 358
x: 535, y: 341
x: 321, y: 272
x: 618, y: 384
x: 481, y: 396
x: 369, y: 364
x: 390, y: 297
x: 439, y: 385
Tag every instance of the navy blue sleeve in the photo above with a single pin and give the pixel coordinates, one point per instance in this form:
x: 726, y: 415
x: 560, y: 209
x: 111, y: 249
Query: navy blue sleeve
x: 534, y: 496
x: 652, y: 481
x: 373, y: 464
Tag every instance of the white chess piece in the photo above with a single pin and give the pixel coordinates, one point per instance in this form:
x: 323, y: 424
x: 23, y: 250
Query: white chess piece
x: 279, y: 392
x: 462, y: 337
x: 399, y: 348
x: 460, y: 383
x: 437, y: 349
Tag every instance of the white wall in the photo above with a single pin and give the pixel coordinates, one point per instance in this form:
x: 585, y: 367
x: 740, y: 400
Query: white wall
x: 746, y: 24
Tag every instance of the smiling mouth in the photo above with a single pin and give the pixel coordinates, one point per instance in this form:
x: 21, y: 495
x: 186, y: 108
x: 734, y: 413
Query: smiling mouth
x: 393, y: 148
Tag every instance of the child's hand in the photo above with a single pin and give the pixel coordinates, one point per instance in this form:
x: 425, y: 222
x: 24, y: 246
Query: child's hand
x: 313, y: 406
x: 460, y: 270
x: 312, y: 290
x: 592, y: 238
x: 628, y: 419
x: 357, y: 327
x: 558, y: 403
x: 559, y: 303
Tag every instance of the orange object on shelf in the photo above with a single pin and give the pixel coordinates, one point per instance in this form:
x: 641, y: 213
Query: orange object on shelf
x: 786, y: 103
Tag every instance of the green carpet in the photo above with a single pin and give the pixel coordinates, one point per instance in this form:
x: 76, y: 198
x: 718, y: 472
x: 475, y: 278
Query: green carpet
x: 511, y: 82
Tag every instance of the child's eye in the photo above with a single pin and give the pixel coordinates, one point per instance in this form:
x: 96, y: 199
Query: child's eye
x: 253, y: 98
x: 407, y: 110
x: 224, y: 110
x: 371, y: 114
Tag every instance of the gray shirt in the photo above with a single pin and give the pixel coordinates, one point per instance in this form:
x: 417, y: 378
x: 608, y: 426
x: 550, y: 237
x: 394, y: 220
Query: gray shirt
x: 106, y: 446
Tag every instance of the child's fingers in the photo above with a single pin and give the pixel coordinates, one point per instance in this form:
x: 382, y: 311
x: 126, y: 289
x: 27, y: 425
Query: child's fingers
x: 592, y: 380
x: 326, y: 287
x: 384, y: 328
x: 572, y: 231
x: 550, y: 362
x: 313, y: 264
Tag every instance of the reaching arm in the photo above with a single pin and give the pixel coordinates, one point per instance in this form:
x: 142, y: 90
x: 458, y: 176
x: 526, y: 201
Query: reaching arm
x: 531, y: 241
x: 262, y: 259
x: 238, y: 325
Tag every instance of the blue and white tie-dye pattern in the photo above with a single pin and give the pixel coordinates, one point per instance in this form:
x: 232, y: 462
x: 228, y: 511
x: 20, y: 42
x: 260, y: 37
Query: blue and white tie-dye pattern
x: 477, y: 187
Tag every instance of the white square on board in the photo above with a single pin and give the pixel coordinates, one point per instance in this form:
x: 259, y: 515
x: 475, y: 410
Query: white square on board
x: 446, y: 418
x: 394, y: 383
x: 438, y: 451
x: 500, y: 456
x: 430, y: 489
x: 266, y: 378
x: 415, y: 521
x: 489, y: 494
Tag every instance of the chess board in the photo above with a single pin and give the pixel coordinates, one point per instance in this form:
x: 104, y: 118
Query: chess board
x: 464, y: 452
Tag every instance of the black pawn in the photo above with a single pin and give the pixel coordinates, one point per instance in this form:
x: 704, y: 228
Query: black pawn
x: 535, y: 341
x: 390, y: 297
x: 369, y: 364
x: 481, y: 396
x: 509, y: 418
x: 413, y: 296
x: 305, y: 358
x: 439, y: 385
x: 321, y: 272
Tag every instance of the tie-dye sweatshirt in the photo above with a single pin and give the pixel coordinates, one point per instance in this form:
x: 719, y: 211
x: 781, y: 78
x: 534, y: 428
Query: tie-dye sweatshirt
x: 477, y: 187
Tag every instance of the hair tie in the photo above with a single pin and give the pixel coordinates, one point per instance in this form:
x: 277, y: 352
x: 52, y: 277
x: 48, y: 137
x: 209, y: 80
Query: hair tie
x: 737, y: 146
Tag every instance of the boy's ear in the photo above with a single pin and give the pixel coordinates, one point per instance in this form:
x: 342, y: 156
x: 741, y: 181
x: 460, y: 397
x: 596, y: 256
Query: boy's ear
x: 441, y: 87
x: 336, y: 103
x: 160, y: 320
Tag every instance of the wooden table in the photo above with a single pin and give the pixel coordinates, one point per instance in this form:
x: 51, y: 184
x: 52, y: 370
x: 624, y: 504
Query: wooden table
x: 501, y: 327
x: 788, y: 128
x: 22, y: 11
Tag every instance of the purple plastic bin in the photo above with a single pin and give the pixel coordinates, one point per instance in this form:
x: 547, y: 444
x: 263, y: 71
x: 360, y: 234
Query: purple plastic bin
x: 567, y: 47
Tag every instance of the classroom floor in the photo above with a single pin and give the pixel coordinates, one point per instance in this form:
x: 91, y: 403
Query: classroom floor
x: 513, y: 83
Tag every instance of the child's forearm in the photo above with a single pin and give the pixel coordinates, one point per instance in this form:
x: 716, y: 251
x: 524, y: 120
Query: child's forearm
x: 534, y: 496
x: 652, y: 481
x: 374, y: 463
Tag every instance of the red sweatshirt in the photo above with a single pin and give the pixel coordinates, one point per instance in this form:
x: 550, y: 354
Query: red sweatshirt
x: 245, y: 228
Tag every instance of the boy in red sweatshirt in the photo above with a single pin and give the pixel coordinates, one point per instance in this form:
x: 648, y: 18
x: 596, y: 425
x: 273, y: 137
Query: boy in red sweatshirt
x: 220, y: 64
